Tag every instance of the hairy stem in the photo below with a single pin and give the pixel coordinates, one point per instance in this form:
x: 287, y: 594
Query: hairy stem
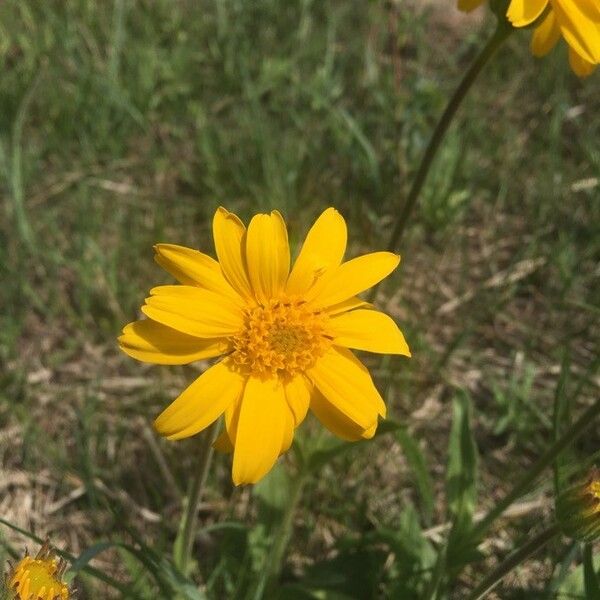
x: 575, y: 431
x: 513, y: 561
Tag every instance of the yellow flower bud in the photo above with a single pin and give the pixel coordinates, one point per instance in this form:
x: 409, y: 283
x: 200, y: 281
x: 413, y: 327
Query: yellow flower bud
x: 578, y: 509
x: 38, y: 578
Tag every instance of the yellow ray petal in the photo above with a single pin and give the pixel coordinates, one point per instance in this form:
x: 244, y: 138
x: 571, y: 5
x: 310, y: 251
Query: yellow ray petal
x: 590, y: 9
x: 194, y: 311
x: 579, y: 28
x: 545, y: 36
x: 192, y: 267
x: 337, y: 422
x: 350, y: 304
x: 351, y: 278
x: 369, y: 330
x: 229, y: 235
x: 323, y: 249
x: 297, y: 393
x: 346, y: 383
x: 524, y: 12
x: 288, y: 431
x: 152, y: 342
x: 580, y: 66
x: 267, y: 255
x: 201, y: 403
x: 224, y: 443
x: 469, y: 5
x: 260, y: 430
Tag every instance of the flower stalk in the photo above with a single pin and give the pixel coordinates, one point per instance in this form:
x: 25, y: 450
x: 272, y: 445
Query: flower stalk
x: 284, y: 533
x: 574, y: 432
x: 513, y: 561
x: 488, y: 51
x: 185, y: 541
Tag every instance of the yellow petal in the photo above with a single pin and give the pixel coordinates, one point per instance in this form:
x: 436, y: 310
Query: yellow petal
x: 152, y: 342
x: 260, y: 430
x: 337, y: 422
x: 229, y: 235
x: 267, y: 255
x: 351, y: 278
x: 297, y: 393
x: 580, y: 66
x: 545, y: 36
x: 579, y: 27
x: 201, y: 403
x: 191, y: 267
x: 323, y: 249
x: 346, y: 383
x: 288, y: 432
x: 469, y: 5
x: 194, y: 311
x: 224, y: 443
x: 523, y: 12
x: 350, y: 304
x: 369, y: 330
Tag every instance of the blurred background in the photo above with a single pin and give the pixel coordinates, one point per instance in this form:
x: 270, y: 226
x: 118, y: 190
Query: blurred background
x: 127, y: 122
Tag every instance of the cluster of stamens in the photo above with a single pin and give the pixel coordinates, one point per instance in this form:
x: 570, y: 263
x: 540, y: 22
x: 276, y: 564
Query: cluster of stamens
x: 283, y: 337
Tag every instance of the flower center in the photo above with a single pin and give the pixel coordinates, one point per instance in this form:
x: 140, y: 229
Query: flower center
x: 36, y: 578
x: 283, y: 337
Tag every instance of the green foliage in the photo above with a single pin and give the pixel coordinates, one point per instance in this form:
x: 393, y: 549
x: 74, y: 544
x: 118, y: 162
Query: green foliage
x: 591, y: 578
x: 417, y: 462
x: 461, y: 475
x: 124, y: 123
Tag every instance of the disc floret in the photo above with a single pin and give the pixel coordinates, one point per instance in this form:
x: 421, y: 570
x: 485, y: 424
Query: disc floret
x: 280, y: 338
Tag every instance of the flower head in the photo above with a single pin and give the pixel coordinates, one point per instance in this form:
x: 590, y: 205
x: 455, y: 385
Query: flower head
x: 577, y: 21
x: 39, y: 578
x: 284, y: 335
x: 578, y: 509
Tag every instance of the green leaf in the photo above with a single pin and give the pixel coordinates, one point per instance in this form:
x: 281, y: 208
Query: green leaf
x: 461, y: 476
x: 590, y: 577
x: 417, y: 463
x: 574, y: 585
x: 273, y: 491
x: 561, y: 422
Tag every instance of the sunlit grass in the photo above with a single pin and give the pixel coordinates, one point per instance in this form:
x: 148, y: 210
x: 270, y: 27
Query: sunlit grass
x: 123, y: 124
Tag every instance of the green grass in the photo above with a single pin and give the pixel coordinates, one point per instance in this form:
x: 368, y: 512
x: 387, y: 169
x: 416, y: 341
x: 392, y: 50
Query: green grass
x: 125, y: 123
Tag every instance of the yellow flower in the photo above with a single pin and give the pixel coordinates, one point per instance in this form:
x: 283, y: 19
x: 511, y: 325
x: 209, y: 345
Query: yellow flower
x: 577, y: 21
x: 39, y: 578
x: 283, y: 334
x: 578, y: 509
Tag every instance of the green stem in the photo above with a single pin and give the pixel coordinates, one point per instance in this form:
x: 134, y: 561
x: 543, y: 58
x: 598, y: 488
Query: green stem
x: 502, y: 32
x: 571, y: 434
x: 284, y: 532
x: 514, y: 560
x: 185, y: 542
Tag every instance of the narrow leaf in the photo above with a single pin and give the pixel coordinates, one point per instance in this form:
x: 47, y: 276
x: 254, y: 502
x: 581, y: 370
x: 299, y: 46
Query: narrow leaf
x: 418, y: 464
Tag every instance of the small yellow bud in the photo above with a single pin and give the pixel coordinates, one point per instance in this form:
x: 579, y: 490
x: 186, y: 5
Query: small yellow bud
x: 38, y: 578
x: 578, y: 509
